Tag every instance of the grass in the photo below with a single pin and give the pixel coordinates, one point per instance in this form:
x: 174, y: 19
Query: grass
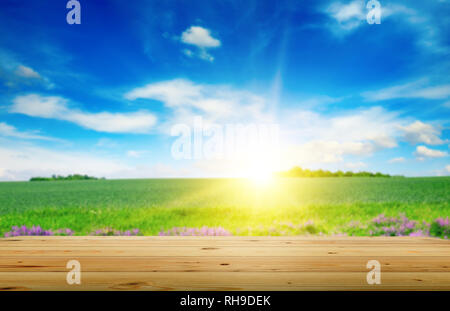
x: 237, y: 205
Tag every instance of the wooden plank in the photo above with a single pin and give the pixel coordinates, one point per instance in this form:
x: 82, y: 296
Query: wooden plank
x: 214, y: 251
x: 237, y: 281
x: 225, y: 264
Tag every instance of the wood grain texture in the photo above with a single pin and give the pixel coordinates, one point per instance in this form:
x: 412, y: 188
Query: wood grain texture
x: 224, y: 263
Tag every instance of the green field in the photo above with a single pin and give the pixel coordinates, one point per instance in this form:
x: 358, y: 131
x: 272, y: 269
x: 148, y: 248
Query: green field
x: 331, y: 205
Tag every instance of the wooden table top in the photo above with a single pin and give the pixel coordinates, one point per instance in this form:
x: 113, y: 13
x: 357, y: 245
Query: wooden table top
x: 224, y: 263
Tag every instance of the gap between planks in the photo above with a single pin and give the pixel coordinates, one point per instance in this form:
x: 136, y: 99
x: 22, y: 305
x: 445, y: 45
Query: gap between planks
x: 225, y: 264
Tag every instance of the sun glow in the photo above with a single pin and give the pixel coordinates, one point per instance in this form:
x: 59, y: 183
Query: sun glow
x: 261, y: 174
x: 261, y: 178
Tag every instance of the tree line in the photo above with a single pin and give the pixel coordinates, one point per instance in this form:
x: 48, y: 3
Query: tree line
x: 299, y: 172
x: 68, y: 177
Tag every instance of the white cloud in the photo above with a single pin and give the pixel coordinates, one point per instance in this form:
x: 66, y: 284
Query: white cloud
x: 419, y: 132
x: 10, y: 131
x: 313, y: 138
x: 39, y: 106
x: 203, y: 54
x: 307, y: 137
x: 355, y: 165
x: 374, y: 124
x: 424, y: 152
x: 135, y: 153
x: 435, y: 92
x: 443, y: 172
x: 325, y: 151
x: 214, y: 103
x: 16, y: 74
x: 23, y: 162
x: 397, y: 160
x: 27, y: 72
x: 417, y: 89
x: 201, y: 38
x: 106, y: 143
x: 348, y: 16
x: 54, y: 107
x: 316, y: 101
x: 417, y: 15
x: 174, y: 92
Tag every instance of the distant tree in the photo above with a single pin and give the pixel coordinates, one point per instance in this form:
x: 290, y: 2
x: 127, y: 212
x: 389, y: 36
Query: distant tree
x: 68, y: 177
x: 299, y: 172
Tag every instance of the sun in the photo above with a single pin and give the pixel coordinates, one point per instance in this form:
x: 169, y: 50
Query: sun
x: 259, y: 167
x: 260, y: 175
x: 261, y: 180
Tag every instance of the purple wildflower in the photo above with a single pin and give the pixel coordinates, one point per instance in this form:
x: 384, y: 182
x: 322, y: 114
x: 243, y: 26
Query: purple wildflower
x: 112, y: 232
x: 25, y: 231
x: 392, y: 226
x: 203, y: 231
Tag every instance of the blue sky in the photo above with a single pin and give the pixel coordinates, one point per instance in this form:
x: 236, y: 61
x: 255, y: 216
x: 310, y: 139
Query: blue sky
x: 103, y: 97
